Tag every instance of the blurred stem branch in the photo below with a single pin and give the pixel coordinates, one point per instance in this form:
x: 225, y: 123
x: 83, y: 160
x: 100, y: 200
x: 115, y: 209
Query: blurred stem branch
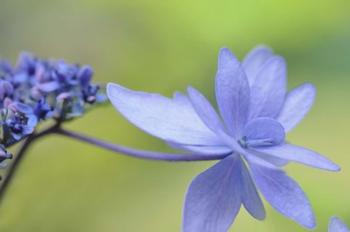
x: 136, y: 152
x: 11, y: 170
x: 56, y: 129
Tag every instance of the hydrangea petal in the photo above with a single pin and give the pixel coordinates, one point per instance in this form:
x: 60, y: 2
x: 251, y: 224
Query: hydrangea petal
x: 205, y: 110
x: 213, y: 199
x: 337, y: 225
x: 232, y: 92
x: 284, y: 195
x: 263, y: 132
x: 205, y: 150
x: 269, y: 89
x: 250, y: 196
x: 277, y: 162
x: 48, y: 86
x: 297, y: 104
x: 165, y: 118
x: 300, y: 155
x: 255, y: 60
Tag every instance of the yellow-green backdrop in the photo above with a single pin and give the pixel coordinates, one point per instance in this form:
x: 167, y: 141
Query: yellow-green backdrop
x: 163, y: 46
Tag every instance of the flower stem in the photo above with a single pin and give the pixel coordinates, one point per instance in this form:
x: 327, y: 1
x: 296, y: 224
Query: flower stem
x: 138, y: 153
x: 11, y: 170
x: 56, y: 129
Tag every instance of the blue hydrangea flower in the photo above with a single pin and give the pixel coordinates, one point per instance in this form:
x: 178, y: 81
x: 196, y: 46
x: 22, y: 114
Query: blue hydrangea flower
x: 336, y: 225
x: 19, y: 121
x: 255, y: 113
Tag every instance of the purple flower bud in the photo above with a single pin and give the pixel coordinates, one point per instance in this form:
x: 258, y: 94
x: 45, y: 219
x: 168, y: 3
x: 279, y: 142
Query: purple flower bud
x: 42, y: 110
x: 85, y: 75
x: 36, y: 93
x: 7, y: 102
x: 27, y: 63
x: 48, y: 86
x: 66, y: 73
x: 6, y: 89
x: 63, y: 97
x: 6, y: 67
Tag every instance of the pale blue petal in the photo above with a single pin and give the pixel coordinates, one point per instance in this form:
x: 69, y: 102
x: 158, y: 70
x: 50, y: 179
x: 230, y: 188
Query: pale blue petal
x: 255, y: 60
x: 250, y: 196
x: 278, y: 162
x: 337, y: 225
x: 262, y: 132
x: 168, y: 119
x: 297, y: 104
x: 205, y: 110
x: 269, y: 89
x: 299, y: 154
x: 284, y: 195
x: 205, y: 150
x: 256, y: 159
x: 213, y: 198
x: 232, y: 92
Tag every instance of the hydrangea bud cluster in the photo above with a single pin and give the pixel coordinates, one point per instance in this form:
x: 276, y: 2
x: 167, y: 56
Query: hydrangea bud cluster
x: 36, y: 89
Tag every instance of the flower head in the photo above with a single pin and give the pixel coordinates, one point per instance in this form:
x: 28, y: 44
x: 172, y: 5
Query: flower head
x: 255, y: 113
x: 37, y: 89
x: 336, y: 225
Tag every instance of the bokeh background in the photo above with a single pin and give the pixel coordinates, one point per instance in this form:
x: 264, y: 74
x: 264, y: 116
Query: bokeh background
x: 163, y: 46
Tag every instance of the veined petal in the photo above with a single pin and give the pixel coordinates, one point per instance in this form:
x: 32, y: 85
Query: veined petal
x: 250, y: 196
x: 255, y: 60
x: 269, y: 89
x: 213, y: 198
x: 337, y: 225
x: 205, y: 150
x: 300, y: 155
x: 169, y: 119
x: 255, y: 159
x: 297, y: 104
x: 205, y: 110
x: 232, y: 92
x: 262, y: 132
x: 278, y: 162
x: 284, y: 194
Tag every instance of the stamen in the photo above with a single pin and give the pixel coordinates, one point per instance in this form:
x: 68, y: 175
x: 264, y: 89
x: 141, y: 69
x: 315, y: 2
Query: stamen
x: 260, y: 142
x: 243, y: 142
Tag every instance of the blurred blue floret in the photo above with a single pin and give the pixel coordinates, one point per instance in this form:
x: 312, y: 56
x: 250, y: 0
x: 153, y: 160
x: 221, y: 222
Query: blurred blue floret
x: 36, y: 89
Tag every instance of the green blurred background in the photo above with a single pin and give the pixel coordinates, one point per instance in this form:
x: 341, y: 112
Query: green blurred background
x: 163, y: 46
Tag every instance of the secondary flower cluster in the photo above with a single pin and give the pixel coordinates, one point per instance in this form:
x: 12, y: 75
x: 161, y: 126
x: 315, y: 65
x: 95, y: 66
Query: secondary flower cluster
x: 36, y: 89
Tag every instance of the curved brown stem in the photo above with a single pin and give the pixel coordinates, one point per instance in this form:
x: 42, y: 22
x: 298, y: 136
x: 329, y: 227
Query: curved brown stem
x: 11, y: 169
x: 136, y: 153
